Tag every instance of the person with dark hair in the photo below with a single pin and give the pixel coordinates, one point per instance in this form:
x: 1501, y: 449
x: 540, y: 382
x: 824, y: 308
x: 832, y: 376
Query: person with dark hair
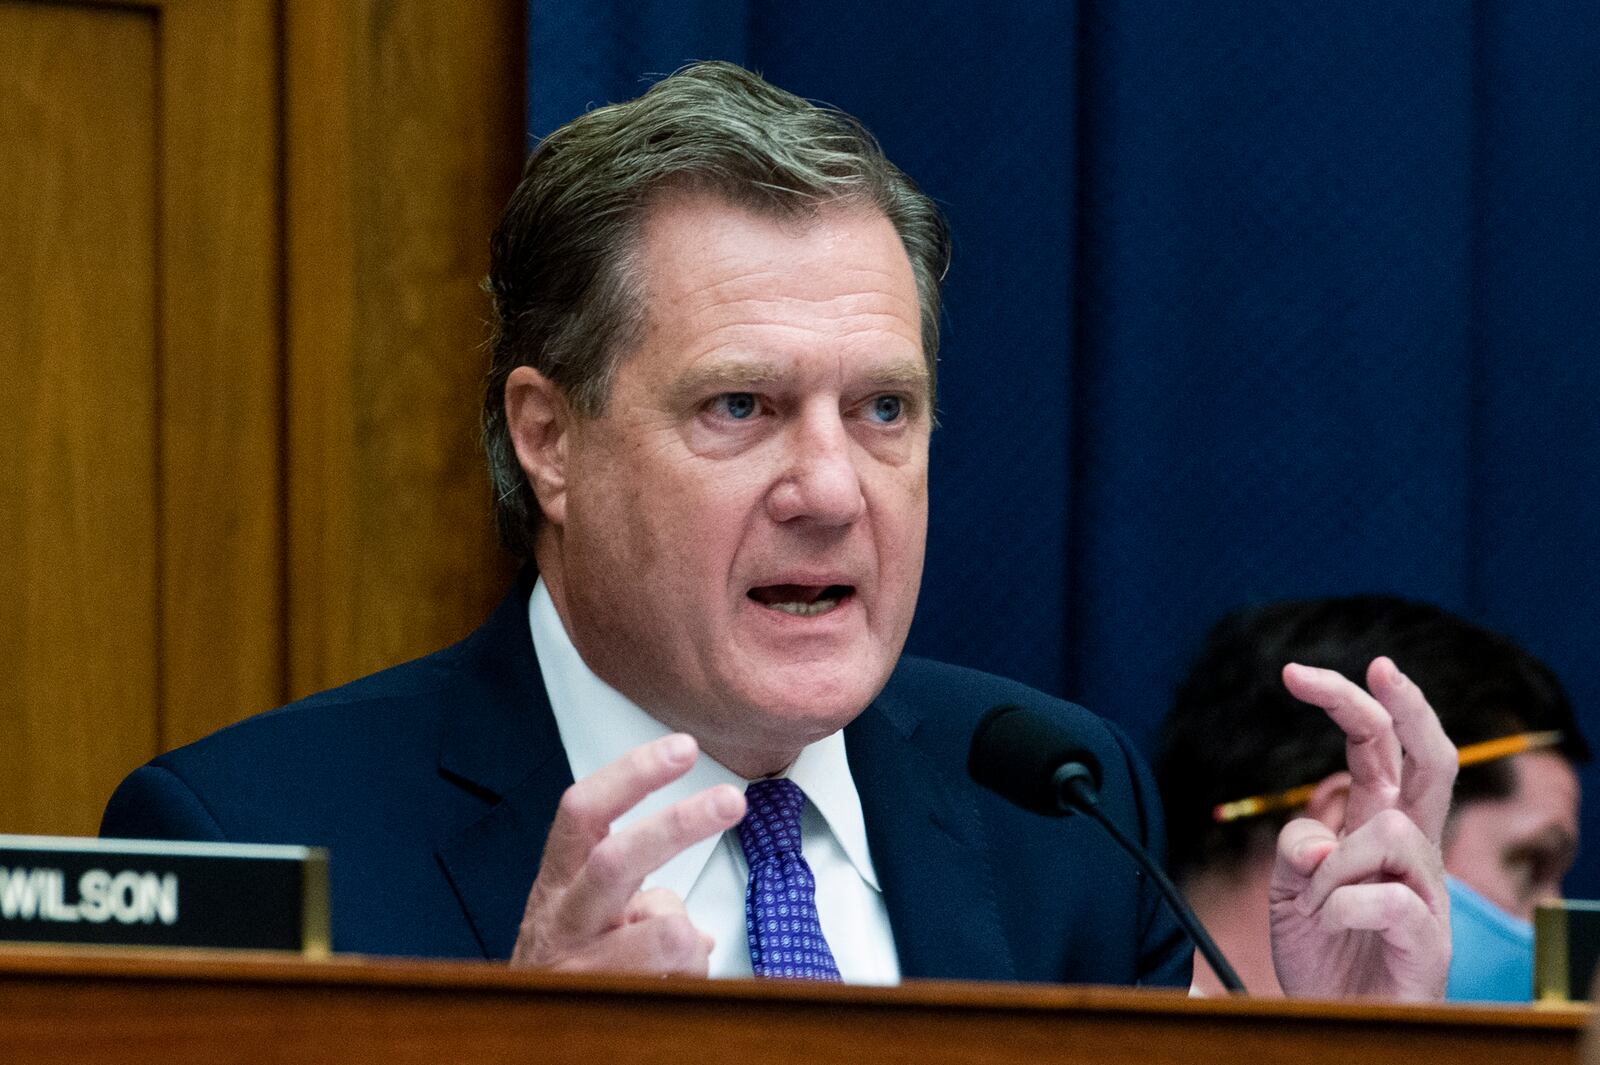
x: 1234, y: 733
x: 687, y: 741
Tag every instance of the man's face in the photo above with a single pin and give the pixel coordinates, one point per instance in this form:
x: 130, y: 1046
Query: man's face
x: 741, y: 537
x: 1514, y: 851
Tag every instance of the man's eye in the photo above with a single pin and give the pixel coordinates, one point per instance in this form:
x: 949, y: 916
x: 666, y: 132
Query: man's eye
x: 887, y: 409
x: 736, y: 405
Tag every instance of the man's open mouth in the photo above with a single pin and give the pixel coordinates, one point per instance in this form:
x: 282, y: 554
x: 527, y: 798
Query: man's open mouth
x: 802, y: 600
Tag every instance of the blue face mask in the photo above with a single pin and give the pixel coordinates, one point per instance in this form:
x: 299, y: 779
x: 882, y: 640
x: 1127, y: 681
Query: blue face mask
x: 1492, y: 959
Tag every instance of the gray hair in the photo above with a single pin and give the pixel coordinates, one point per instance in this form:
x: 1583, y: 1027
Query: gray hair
x: 566, y: 300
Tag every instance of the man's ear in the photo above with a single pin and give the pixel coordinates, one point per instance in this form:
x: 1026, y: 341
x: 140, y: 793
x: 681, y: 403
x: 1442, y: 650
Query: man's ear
x: 1329, y: 799
x: 539, y: 418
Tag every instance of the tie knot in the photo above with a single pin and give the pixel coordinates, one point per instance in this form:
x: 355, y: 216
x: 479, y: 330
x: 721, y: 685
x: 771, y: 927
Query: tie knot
x: 771, y: 822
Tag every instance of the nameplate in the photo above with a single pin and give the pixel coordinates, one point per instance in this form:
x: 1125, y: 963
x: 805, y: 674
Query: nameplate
x: 118, y: 892
x: 1566, y: 949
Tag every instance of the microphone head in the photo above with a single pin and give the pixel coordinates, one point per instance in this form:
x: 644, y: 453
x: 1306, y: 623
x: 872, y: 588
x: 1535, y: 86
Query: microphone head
x: 1019, y: 753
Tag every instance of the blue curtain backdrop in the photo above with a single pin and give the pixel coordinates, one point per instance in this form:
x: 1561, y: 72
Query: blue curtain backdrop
x: 1250, y: 300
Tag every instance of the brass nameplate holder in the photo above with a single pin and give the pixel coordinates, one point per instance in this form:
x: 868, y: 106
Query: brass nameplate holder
x: 1566, y: 947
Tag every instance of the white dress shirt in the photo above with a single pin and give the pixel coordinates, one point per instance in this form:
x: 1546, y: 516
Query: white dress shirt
x: 598, y: 724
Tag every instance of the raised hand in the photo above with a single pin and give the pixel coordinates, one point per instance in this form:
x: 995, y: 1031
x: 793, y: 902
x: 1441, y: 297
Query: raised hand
x: 1360, y: 908
x: 585, y: 910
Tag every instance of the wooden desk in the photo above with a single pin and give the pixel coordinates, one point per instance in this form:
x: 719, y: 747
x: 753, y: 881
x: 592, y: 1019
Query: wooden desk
x: 172, y: 1008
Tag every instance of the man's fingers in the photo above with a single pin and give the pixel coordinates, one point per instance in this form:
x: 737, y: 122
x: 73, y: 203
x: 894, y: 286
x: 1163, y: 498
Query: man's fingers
x: 587, y: 889
x: 1416, y: 939
x: 1372, y: 749
x: 661, y: 902
x: 1368, y: 907
x: 1389, y: 848
x: 1387, y: 907
x: 599, y: 895
x: 665, y: 943
x: 1429, y: 772
x: 1303, y: 845
x: 587, y: 809
x: 657, y: 902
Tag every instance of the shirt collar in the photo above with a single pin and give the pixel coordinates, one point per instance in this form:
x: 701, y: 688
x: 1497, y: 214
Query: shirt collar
x: 598, y: 725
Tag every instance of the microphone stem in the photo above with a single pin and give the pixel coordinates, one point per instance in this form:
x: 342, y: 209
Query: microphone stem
x: 1088, y: 803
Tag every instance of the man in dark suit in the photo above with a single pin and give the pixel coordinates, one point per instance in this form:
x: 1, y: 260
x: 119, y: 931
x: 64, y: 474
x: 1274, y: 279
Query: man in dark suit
x: 690, y: 743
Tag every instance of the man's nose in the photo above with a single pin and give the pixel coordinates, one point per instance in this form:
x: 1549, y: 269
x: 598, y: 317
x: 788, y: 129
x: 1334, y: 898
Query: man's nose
x: 820, y: 483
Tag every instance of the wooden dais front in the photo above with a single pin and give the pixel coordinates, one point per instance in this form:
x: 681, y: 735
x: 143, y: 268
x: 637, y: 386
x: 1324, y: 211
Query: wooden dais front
x: 184, y: 1007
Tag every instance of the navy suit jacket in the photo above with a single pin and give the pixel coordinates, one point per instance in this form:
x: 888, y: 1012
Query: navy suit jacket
x: 433, y: 784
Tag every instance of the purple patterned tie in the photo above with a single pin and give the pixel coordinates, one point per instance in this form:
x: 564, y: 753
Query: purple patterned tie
x: 780, y: 904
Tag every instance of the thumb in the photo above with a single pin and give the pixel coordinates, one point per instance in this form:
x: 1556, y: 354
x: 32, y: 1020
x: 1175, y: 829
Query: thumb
x: 1302, y: 846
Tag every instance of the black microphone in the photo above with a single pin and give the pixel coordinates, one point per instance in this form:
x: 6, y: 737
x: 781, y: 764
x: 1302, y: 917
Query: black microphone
x: 1035, y: 761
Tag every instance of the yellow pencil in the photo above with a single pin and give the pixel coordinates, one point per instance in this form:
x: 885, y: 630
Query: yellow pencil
x: 1472, y: 754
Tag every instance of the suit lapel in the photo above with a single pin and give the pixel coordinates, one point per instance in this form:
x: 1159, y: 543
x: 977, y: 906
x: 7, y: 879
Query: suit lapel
x: 929, y: 852
x: 500, y: 742
x: 491, y: 863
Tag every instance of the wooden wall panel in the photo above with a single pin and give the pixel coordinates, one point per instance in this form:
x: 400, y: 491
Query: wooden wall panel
x: 222, y: 592
x: 78, y: 398
x: 141, y: 513
x: 404, y: 138
x: 240, y: 352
